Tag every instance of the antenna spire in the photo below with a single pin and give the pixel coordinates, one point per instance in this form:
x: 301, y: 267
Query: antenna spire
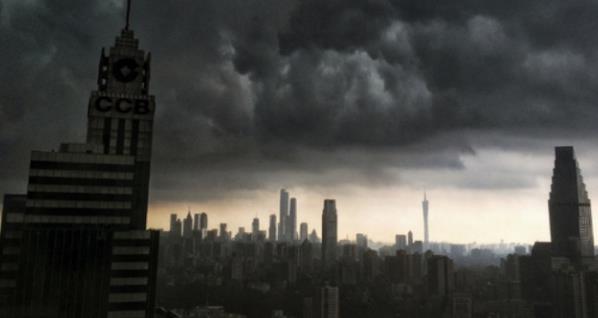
x: 128, y: 14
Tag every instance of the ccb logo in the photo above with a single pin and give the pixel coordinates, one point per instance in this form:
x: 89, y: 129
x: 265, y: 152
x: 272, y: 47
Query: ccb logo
x: 122, y: 105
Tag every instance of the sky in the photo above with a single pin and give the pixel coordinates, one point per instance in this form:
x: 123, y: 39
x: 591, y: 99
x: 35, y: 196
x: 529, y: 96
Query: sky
x: 367, y: 102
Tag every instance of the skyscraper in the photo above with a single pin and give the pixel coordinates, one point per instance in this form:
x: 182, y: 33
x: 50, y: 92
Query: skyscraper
x: 569, y: 209
x: 255, y: 228
x: 329, y: 233
x: 361, y: 240
x: 328, y: 302
x: 292, y: 221
x: 409, y: 238
x: 400, y: 242
x: 426, y: 233
x: 203, y: 221
x: 188, y: 226
x: 272, y: 228
x: 223, y: 233
x: 80, y: 232
x: 283, y: 214
x: 173, y: 218
x: 303, y: 232
x: 196, y: 222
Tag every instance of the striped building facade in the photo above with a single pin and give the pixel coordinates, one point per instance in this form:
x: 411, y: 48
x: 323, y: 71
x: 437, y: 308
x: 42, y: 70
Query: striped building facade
x: 75, y: 244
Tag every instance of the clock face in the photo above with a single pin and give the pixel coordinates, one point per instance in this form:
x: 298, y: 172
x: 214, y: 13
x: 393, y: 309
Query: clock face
x: 125, y: 70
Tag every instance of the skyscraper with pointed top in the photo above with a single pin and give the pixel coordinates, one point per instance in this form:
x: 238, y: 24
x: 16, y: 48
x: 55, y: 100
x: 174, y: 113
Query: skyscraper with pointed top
x: 425, y: 207
x: 292, y: 221
x: 75, y: 244
x: 283, y: 215
x: 329, y: 233
x: 570, y: 211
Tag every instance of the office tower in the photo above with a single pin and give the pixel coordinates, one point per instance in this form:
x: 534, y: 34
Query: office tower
x: 569, y: 209
x: 426, y: 233
x: 440, y: 275
x: 313, y: 237
x: 203, y: 221
x: 178, y: 229
x: 196, y: 222
x: 292, y: 221
x: 223, y: 233
x: 173, y: 218
x: 418, y: 247
x: 78, y: 247
x: 303, y: 232
x: 400, y: 242
x: 361, y: 240
x: 272, y: 228
x: 255, y: 228
x: 283, y: 214
x: 329, y: 233
x: 328, y: 302
x: 188, y: 226
x: 409, y: 238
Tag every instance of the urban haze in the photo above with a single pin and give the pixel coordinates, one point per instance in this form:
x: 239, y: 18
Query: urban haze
x: 298, y: 158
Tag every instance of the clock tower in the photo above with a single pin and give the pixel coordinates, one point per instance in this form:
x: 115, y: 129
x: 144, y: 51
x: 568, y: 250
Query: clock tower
x: 121, y: 112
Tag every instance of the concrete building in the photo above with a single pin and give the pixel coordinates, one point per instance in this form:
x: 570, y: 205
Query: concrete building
x: 400, y: 242
x: 329, y: 233
x: 328, y: 302
x: 303, y: 232
x: 272, y: 228
x: 570, y: 211
x: 292, y: 221
x: 283, y: 215
x: 80, y: 231
x: 255, y: 228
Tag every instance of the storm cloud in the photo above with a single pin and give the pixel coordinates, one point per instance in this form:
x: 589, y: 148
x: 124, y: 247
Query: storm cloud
x: 253, y: 94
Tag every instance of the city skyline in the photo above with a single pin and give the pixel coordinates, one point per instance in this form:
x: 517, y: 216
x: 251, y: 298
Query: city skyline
x: 308, y: 158
x: 475, y: 159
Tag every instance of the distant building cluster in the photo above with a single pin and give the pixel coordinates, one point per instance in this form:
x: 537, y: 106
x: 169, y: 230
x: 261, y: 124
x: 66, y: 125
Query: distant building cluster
x: 411, y: 278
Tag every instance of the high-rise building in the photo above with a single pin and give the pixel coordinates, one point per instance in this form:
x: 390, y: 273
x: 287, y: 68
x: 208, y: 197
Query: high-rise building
x: 173, y: 218
x: 313, y: 236
x: 188, y: 226
x: 255, y: 228
x: 303, y: 232
x: 292, y: 221
x: 440, y: 275
x: 196, y: 222
x: 400, y: 242
x: 80, y: 230
x: 272, y: 228
x: 570, y: 209
x: 409, y: 238
x: 328, y: 302
x: 283, y: 215
x: 361, y: 240
x: 223, y: 233
x: 203, y: 221
x: 178, y: 229
x: 329, y: 233
x: 426, y: 233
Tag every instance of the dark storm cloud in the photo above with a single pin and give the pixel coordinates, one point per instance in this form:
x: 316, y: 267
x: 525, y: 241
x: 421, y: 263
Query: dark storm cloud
x: 254, y: 93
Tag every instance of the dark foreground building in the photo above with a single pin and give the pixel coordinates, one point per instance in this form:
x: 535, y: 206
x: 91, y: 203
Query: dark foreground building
x: 570, y: 211
x: 560, y: 278
x: 75, y: 244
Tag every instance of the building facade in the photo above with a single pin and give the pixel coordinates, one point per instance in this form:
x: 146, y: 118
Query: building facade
x: 75, y: 244
x: 329, y: 233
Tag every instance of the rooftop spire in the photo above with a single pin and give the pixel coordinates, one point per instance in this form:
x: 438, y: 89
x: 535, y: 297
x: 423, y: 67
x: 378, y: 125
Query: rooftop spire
x: 128, y: 14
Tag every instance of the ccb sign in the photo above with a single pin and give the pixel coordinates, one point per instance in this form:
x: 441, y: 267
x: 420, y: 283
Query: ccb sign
x: 122, y: 105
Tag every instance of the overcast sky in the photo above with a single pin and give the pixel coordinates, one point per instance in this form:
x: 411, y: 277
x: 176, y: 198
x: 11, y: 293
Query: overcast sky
x: 367, y: 102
